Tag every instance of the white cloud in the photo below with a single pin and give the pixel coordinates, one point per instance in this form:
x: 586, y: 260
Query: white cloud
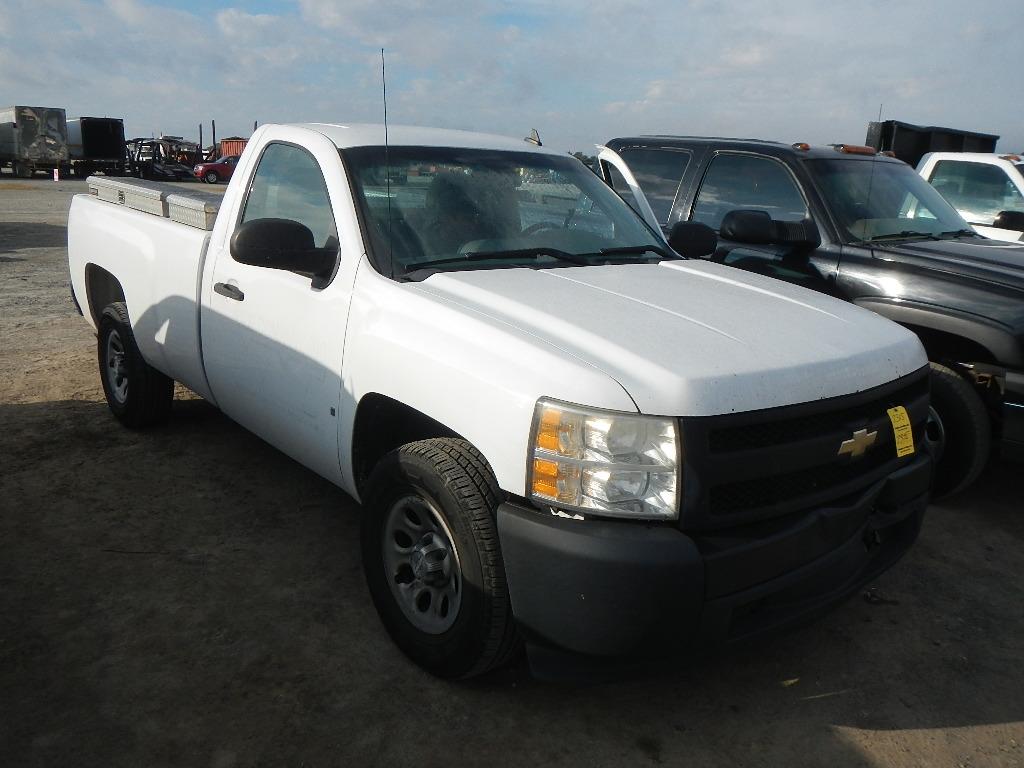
x: 580, y: 71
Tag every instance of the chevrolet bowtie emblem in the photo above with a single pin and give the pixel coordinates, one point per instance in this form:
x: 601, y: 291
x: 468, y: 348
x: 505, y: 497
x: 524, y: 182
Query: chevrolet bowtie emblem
x: 858, y: 444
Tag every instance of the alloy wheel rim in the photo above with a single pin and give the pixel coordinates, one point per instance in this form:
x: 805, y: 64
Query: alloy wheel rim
x: 421, y: 565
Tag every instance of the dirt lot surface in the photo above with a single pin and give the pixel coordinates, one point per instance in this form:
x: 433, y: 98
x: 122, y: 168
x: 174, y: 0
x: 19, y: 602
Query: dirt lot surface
x: 191, y: 597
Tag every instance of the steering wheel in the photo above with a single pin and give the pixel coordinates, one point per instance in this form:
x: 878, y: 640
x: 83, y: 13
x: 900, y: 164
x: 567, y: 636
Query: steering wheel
x: 540, y: 226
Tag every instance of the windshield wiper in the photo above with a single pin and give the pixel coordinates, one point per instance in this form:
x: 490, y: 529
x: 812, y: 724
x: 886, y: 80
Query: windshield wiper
x: 904, y: 234
x: 471, y: 256
x: 958, y: 233
x: 627, y: 249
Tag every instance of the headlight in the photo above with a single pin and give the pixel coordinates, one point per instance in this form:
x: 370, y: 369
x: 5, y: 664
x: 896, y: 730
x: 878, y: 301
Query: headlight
x: 603, y: 462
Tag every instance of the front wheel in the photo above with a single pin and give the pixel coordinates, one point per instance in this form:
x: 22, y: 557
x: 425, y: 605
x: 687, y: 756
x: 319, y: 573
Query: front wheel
x: 137, y: 394
x: 432, y: 561
x: 958, y: 429
x: 211, y: 177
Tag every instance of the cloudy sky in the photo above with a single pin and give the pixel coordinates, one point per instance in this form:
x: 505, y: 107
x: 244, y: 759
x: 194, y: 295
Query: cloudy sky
x: 580, y: 71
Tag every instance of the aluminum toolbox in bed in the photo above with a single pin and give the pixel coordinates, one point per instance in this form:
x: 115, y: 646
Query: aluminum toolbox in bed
x: 181, y: 203
x: 199, y: 212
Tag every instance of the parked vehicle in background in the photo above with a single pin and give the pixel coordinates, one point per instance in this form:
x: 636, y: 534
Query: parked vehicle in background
x: 910, y: 143
x: 560, y: 430
x: 866, y: 228
x: 96, y: 144
x: 986, y: 189
x: 156, y: 159
x: 219, y: 170
x: 33, y: 139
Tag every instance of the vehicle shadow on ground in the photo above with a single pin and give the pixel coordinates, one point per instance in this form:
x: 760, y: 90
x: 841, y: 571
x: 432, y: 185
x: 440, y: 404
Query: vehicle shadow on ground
x: 23, y: 235
x: 190, y: 595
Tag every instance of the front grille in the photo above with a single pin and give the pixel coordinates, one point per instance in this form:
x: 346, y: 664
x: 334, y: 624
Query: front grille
x: 762, y: 464
x: 775, y: 431
x: 776, y: 489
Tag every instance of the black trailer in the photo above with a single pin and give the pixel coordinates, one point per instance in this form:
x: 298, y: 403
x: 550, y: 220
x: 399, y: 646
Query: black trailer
x: 97, y: 144
x: 33, y: 139
x: 912, y: 142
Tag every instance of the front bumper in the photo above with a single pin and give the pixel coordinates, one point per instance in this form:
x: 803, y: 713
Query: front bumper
x: 607, y: 589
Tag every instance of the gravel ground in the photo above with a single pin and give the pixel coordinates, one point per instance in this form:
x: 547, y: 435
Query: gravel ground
x: 190, y: 596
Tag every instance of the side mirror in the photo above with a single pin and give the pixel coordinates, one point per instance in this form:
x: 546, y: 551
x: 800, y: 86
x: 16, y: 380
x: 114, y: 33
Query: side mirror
x: 280, y: 244
x: 1010, y: 220
x: 758, y: 228
x: 692, y: 240
x: 800, y: 234
x: 754, y: 227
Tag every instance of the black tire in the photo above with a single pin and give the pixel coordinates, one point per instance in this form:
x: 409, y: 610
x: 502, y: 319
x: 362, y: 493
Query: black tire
x: 211, y: 177
x: 146, y: 397
x: 454, y: 479
x: 961, y: 429
x: 22, y: 170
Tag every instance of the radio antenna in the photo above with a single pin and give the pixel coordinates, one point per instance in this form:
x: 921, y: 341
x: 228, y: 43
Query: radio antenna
x: 387, y: 163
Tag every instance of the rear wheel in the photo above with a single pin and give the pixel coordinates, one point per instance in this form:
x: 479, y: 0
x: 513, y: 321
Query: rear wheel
x: 958, y: 430
x: 22, y: 170
x: 137, y: 394
x: 431, y: 558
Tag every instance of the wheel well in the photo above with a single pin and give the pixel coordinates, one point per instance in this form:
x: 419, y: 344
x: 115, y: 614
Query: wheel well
x: 383, y: 424
x: 943, y: 347
x: 101, y: 289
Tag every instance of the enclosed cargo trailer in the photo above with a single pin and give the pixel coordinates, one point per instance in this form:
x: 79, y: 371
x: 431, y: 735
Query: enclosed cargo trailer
x: 33, y: 139
x: 96, y: 144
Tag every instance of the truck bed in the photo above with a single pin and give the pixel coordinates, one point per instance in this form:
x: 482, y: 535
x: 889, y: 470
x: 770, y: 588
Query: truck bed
x: 186, y: 204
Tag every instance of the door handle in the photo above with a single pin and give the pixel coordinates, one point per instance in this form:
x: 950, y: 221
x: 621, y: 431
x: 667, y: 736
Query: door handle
x: 231, y: 291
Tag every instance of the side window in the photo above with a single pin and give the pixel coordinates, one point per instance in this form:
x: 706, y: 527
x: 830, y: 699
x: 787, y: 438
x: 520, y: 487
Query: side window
x: 747, y: 182
x: 658, y: 172
x: 977, y: 190
x: 288, y: 184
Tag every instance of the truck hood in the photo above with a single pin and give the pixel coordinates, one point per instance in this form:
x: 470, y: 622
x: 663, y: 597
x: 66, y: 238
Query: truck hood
x: 692, y: 338
x: 993, y: 261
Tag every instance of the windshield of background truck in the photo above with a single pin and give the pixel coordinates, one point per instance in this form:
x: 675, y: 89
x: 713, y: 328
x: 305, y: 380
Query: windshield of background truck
x: 880, y: 200
x: 460, y: 208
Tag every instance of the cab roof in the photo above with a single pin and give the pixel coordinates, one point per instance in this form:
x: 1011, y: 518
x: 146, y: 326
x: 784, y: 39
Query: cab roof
x: 372, y: 134
x: 762, y: 146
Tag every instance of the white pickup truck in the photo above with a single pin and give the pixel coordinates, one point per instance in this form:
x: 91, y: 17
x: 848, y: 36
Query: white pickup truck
x: 561, y: 430
x: 986, y: 189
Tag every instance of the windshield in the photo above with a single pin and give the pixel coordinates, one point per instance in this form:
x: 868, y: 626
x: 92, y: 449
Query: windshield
x: 453, y: 209
x: 883, y: 200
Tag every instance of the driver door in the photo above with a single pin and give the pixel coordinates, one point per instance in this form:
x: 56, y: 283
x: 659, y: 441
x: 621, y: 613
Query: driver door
x: 273, y: 339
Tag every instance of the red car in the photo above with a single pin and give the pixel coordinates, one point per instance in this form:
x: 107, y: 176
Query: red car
x: 219, y: 170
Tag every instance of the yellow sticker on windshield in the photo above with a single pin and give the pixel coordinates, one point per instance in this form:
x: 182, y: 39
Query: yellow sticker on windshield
x: 901, y: 430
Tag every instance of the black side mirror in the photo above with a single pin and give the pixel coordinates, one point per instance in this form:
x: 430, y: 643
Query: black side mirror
x: 1010, y: 220
x: 692, y: 240
x: 281, y: 244
x: 800, y: 234
x: 754, y: 227
x: 758, y: 228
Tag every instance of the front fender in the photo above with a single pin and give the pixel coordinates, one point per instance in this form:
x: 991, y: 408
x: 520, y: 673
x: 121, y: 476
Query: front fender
x: 996, y: 338
x: 474, y: 374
